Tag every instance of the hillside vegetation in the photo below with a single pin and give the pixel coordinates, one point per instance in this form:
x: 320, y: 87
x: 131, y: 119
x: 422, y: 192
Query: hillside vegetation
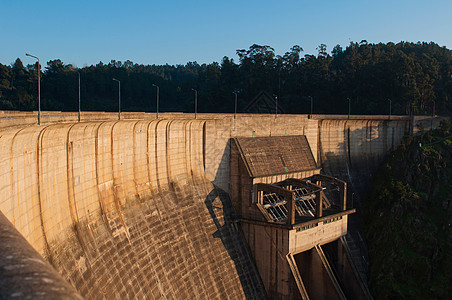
x: 408, y: 215
x: 410, y: 76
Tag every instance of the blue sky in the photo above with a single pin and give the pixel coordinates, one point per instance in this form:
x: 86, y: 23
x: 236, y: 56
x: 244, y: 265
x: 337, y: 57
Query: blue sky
x: 175, y: 32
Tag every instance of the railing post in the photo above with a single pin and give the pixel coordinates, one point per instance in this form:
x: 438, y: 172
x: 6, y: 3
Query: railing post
x: 319, y: 204
x: 343, y: 195
x: 291, y: 209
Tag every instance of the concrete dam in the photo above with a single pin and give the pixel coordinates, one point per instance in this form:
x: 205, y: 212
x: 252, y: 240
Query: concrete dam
x: 147, y: 208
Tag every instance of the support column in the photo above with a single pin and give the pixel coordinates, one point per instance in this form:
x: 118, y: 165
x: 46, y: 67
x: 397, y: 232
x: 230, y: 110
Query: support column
x: 319, y: 204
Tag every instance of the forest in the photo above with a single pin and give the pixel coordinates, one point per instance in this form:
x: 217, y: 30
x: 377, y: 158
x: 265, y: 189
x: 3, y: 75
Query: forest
x: 404, y: 77
x: 408, y: 216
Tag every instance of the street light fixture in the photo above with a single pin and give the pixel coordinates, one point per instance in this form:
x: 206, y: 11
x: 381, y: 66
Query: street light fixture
x: 276, y: 106
x: 433, y: 112
x: 158, y: 92
x: 79, y: 109
x: 310, y: 117
x: 235, y: 103
x: 348, y: 108
x: 196, y: 101
x: 390, y: 108
x: 119, y: 97
x: 39, y: 87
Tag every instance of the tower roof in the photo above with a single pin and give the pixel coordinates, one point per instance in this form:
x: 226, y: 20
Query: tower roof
x: 266, y: 156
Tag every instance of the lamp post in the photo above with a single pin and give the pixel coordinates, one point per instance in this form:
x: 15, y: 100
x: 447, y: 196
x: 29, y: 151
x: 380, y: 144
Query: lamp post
x: 39, y: 87
x: 390, y: 107
x: 79, y: 110
x: 196, y: 101
x: 310, y: 117
x: 235, y: 103
x: 119, y: 97
x: 276, y: 106
x: 433, y: 112
x: 158, y: 92
x: 348, y: 108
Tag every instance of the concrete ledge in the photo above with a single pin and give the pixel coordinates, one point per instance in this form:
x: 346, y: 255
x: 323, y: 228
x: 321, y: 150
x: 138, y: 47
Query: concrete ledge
x: 24, y: 273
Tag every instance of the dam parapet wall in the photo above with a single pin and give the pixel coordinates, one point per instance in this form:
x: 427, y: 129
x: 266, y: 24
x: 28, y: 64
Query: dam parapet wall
x: 359, y: 141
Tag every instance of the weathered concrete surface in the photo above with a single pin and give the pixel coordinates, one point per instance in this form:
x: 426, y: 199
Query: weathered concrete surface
x: 126, y: 209
x: 24, y: 274
x: 352, y: 149
x: 123, y: 209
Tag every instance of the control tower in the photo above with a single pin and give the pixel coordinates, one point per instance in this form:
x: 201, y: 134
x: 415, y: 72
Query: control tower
x: 294, y: 219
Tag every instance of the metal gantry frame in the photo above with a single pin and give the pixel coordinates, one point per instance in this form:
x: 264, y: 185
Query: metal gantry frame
x: 283, y: 201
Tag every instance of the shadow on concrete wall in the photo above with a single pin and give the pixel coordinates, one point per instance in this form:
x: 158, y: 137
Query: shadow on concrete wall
x: 357, y: 157
x: 223, y: 170
x: 220, y: 208
x: 360, y: 153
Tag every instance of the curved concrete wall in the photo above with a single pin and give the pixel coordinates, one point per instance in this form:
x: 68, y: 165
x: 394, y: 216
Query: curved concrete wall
x: 126, y: 208
x: 352, y: 149
x: 123, y: 209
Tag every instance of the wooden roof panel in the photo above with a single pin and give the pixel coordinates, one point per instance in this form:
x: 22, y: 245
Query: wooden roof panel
x: 266, y: 156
